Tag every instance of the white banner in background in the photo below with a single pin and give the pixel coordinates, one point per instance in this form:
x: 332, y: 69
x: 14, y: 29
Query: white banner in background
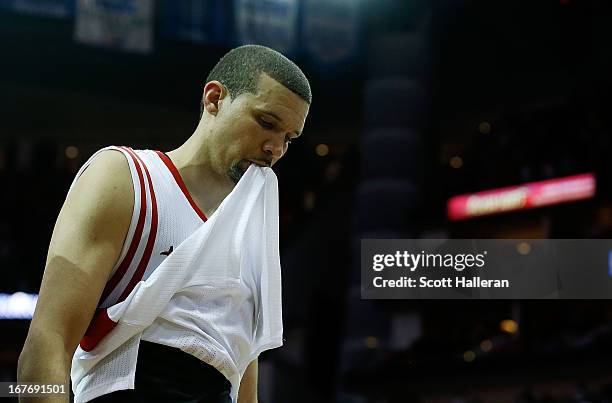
x: 271, y: 23
x: 120, y: 24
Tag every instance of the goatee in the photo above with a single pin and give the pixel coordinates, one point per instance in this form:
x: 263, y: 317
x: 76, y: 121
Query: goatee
x: 237, y: 169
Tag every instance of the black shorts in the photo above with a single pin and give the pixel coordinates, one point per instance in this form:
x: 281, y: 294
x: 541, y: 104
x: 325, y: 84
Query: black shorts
x: 167, y: 374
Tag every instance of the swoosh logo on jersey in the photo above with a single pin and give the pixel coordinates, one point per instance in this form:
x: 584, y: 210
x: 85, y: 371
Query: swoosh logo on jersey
x: 168, y: 252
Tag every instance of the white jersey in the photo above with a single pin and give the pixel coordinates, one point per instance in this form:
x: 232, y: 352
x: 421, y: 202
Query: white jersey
x: 216, y: 325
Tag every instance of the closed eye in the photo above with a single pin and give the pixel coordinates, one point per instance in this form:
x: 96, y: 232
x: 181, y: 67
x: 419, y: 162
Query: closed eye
x: 271, y: 126
x: 265, y: 124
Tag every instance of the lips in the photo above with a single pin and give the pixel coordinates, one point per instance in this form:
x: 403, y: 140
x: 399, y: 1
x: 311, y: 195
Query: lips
x: 261, y: 163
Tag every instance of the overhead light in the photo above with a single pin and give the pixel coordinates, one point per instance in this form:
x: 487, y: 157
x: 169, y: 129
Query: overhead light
x: 486, y: 345
x: 71, y: 152
x: 509, y: 326
x: 456, y: 162
x: 322, y: 150
x: 484, y: 127
x: 469, y: 356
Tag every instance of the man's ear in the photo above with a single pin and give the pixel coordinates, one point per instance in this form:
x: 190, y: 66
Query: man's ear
x: 214, y: 92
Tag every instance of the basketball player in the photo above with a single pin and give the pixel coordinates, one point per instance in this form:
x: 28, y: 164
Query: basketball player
x: 128, y: 210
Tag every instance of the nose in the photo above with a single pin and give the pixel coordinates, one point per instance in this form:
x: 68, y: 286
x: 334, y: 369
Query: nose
x: 274, y: 147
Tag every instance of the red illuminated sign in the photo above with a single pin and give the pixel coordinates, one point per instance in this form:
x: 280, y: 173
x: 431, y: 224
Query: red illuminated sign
x: 527, y: 196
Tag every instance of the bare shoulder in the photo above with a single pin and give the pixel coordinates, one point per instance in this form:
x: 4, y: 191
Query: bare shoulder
x: 104, y: 194
x: 96, y: 215
x: 109, y: 171
x: 86, y: 243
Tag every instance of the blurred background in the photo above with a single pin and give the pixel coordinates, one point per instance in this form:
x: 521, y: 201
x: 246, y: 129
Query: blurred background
x: 415, y: 102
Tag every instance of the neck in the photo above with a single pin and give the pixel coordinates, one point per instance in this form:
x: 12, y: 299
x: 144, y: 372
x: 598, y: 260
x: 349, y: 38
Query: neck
x: 193, y: 160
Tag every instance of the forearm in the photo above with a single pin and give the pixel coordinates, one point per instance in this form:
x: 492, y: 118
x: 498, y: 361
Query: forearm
x: 246, y: 399
x: 45, y: 360
x: 247, y: 393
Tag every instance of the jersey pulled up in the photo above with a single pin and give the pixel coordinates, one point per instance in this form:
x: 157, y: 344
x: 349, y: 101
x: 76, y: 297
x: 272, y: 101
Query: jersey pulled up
x: 216, y: 325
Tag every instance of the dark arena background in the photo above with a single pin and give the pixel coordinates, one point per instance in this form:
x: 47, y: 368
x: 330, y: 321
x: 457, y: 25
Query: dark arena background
x: 414, y: 102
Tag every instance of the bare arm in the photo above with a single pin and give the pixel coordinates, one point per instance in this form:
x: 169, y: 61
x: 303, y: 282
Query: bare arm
x: 85, y: 245
x: 248, y: 385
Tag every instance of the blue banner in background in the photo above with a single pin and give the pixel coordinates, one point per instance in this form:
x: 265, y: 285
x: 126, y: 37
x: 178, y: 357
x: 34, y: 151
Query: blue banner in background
x: 327, y: 33
x: 198, y: 21
x: 331, y: 32
x: 45, y: 8
x: 273, y: 23
x: 120, y: 24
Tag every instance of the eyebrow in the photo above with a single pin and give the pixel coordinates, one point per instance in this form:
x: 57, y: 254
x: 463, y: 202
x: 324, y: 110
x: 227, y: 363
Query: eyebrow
x: 275, y: 116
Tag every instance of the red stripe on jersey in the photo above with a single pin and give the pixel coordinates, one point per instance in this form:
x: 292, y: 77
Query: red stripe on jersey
x: 99, y: 327
x: 101, y: 324
x: 179, y: 181
x: 127, y: 260
x: 138, y: 274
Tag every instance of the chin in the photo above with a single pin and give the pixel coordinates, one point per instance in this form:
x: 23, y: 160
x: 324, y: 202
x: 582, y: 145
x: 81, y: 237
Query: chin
x: 237, y: 169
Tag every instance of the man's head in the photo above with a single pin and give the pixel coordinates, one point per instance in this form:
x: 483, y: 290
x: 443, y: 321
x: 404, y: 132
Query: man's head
x: 255, y: 102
